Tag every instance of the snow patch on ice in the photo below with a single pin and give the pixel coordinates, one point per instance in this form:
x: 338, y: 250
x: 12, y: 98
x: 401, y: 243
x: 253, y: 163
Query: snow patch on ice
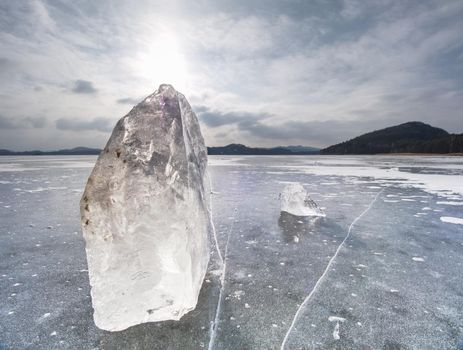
x: 452, y: 220
x: 336, y: 319
x: 227, y: 161
x: 440, y: 184
x: 336, y: 327
x: 15, y: 167
x: 42, y: 189
x: 450, y: 203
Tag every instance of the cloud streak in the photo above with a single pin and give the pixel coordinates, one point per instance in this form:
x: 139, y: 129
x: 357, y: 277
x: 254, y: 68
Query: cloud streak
x: 256, y: 126
x: 22, y: 123
x: 128, y: 101
x: 97, y: 124
x: 215, y: 119
x: 83, y: 87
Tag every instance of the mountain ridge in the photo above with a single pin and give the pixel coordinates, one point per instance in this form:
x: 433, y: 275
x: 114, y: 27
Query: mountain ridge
x: 231, y: 149
x: 410, y: 137
x: 78, y: 151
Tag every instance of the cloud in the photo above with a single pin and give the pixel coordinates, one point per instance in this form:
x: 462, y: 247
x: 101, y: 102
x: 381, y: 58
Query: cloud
x: 259, y: 128
x: 22, y: 123
x: 308, y: 133
x: 215, y: 119
x: 83, y: 87
x: 128, y: 101
x: 97, y: 124
x: 5, y: 63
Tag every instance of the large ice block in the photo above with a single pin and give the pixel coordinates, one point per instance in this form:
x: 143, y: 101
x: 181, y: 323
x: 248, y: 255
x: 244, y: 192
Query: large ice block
x: 144, y: 215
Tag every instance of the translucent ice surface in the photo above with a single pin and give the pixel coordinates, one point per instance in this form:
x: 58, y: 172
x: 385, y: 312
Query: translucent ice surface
x: 395, y: 282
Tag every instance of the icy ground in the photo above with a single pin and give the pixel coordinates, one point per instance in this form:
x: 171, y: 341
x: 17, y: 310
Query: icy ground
x: 382, y: 270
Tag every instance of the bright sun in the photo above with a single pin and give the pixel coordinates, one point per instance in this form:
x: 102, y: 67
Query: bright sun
x: 163, y: 62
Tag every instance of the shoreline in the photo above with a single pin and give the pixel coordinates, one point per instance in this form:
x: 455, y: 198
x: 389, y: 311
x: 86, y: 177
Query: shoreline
x: 307, y: 155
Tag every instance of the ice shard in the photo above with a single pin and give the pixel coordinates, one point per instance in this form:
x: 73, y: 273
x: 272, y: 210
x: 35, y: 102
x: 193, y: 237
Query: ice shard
x: 295, y: 200
x: 144, y: 215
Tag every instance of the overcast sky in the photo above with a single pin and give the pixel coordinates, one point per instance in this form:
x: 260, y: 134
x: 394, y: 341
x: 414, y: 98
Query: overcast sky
x: 262, y: 73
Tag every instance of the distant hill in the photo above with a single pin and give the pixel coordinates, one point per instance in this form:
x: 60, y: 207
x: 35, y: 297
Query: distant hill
x: 64, y: 152
x: 299, y: 149
x: 233, y: 149
x: 238, y: 149
x: 411, y: 137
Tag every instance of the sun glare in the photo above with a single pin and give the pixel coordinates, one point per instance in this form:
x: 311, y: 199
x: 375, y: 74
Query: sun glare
x: 164, y: 62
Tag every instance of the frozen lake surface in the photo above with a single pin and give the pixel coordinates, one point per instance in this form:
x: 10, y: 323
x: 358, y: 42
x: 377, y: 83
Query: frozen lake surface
x: 382, y: 270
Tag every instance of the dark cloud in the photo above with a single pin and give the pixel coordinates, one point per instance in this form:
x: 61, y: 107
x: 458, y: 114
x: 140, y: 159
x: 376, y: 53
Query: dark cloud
x: 84, y: 87
x: 128, y: 101
x: 215, y: 119
x: 8, y: 68
x: 22, y: 123
x: 313, y: 132
x: 200, y: 109
x: 98, y: 124
x: 5, y: 62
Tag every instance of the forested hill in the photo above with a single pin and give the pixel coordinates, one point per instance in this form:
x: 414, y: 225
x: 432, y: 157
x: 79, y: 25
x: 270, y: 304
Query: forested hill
x: 411, y: 137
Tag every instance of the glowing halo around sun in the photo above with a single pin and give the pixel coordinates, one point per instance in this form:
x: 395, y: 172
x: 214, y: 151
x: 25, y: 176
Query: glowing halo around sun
x: 163, y: 62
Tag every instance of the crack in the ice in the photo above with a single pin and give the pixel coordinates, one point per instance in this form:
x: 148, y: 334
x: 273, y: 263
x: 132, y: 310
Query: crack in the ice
x: 215, y: 323
x: 212, y: 223
x: 319, y: 281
